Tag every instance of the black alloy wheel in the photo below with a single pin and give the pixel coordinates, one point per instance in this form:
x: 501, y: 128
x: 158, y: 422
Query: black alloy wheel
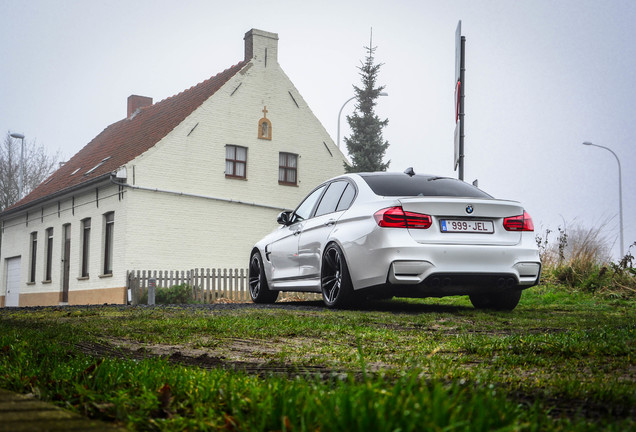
x: 259, y: 290
x: 335, y: 282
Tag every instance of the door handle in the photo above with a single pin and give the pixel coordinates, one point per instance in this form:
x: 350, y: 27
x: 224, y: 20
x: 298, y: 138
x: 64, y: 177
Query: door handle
x: 330, y: 222
x: 297, y: 232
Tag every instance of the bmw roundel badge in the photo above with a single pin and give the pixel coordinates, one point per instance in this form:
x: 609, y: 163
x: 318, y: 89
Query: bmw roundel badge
x: 469, y: 209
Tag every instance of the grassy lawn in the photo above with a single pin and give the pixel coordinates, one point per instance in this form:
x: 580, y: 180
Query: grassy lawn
x: 562, y: 360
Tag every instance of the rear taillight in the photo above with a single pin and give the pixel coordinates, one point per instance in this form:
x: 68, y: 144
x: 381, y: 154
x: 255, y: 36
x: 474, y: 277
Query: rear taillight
x: 396, y: 217
x: 519, y: 223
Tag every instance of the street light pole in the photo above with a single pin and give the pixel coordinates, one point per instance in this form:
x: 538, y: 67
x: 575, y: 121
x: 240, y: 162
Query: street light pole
x: 620, y: 192
x: 21, y: 173
x: 340, y: 113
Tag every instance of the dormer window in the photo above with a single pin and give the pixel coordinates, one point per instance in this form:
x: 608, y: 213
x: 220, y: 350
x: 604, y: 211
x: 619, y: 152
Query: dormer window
x: 265, y: 126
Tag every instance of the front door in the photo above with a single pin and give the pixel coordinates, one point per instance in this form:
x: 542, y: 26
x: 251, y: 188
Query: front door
x: 66, y: 263
x: 283, y: 253
x: 13, y: 282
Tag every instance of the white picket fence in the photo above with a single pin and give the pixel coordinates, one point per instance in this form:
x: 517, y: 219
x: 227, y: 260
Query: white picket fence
x: 208, y: 285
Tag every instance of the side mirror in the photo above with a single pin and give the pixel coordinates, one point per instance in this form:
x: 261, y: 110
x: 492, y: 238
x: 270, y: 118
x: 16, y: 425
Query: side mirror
x: 284, y: 217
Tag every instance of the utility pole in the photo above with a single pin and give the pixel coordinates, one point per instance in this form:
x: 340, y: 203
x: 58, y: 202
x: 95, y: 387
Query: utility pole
x: 21, y: 173
x: 460, y: 88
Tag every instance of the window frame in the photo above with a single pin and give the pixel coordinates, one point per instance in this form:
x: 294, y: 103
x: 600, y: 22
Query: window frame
x: 235, y: 162
x: 33, y: 253
x: 319, y: 191
x: 286, y: 169
x: 108, y: 241
x: 48, y: 262
x: 85, y: 251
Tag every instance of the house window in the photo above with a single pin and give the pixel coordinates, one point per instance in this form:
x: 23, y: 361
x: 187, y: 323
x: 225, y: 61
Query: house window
x: 235, y: 161
x: 32, y: 256
x: 109, y: 225
x: 49, y: 255
x: 288, y: 169
x: 86, y: 241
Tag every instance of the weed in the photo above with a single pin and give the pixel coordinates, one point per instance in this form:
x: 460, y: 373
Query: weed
x: 176, y: 294
x: 579, y: 261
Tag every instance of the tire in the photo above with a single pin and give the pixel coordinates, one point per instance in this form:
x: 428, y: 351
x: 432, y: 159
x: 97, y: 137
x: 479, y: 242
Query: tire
x: 502, y: 301
x: 259, y: 289
x: 335, y: 282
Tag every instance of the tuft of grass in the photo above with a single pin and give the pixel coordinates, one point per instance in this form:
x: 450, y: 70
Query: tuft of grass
x: 156, y: 395
x: 563, y: 360
x: 579, y: 260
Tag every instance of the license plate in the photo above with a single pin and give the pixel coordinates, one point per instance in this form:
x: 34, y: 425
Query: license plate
x: 467, y: 226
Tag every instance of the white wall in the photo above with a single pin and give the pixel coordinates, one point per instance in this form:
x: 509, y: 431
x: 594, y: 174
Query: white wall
x: 197, y: 162
x: 165, y: 231
x: 17, y: 235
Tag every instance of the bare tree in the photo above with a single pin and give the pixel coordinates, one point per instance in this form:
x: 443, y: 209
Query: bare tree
x: 38, y: 165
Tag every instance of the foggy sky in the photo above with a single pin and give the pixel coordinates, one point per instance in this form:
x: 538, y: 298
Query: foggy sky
x: 541, y: 78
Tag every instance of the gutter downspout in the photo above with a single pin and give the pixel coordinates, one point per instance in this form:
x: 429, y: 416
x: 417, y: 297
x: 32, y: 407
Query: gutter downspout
x: 227, y: 200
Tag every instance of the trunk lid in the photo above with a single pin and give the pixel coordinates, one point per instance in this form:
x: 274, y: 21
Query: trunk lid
x: 464, y: 220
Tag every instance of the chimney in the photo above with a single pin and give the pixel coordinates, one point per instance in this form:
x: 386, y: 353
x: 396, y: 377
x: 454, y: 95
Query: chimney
x: 135, y: 102
x: 261, y: 46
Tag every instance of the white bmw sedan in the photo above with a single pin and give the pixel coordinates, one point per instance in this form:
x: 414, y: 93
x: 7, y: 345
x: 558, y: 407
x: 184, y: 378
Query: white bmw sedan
x: 381, y: 235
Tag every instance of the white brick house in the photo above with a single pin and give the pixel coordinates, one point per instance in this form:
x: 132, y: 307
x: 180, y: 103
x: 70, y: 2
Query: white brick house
x: 191, y: 181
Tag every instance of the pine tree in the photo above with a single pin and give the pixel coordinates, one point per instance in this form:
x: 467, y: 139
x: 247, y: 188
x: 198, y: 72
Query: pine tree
x: 366, y: 145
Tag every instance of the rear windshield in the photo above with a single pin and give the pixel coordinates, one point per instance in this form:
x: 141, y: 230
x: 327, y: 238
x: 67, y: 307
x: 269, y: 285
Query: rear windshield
x: 419, y: 185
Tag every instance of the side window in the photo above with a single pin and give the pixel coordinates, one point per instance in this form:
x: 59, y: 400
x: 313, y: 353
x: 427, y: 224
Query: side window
x: 305, y: 208
x: 330, y: 200
x: 347, y: 198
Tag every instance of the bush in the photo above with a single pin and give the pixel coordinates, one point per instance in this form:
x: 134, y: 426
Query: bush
x: 580, y: 260
x: 176, y: 294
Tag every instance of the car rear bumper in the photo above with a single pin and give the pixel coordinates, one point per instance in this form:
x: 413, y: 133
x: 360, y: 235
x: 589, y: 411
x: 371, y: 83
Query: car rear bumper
x: 416, y: 272
x: 442, y: 269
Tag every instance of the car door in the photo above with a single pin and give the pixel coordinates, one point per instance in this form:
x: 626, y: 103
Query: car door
x: 283, y: 252
x: 316, y: 231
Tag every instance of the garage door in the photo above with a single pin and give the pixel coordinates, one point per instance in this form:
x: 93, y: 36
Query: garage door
x: 13, y: 282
